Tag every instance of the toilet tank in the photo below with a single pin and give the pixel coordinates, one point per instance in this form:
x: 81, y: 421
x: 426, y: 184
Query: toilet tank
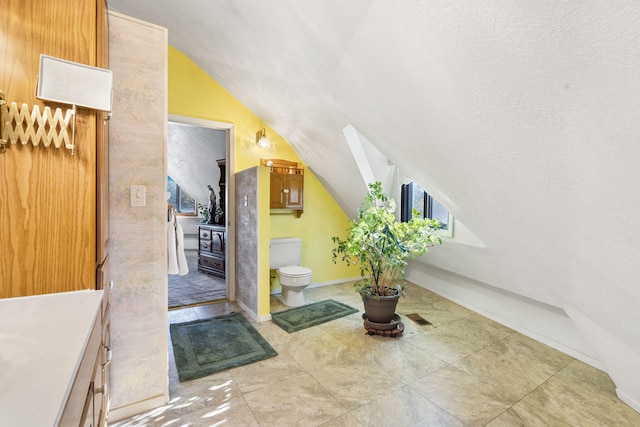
x: 284, y: 252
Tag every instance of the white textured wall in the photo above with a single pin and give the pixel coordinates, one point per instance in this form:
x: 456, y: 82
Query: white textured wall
x: 539, y: 123
x: 189, y: 226
x: 137, y: 55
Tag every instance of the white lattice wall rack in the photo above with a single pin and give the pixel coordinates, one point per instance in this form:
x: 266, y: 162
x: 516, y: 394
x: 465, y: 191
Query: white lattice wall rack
x: 24, y: 126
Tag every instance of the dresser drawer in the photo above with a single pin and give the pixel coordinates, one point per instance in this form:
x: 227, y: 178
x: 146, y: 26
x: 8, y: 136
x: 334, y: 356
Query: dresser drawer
x: 205, y: 234
x: 205, y: 246
x: 211, y: 262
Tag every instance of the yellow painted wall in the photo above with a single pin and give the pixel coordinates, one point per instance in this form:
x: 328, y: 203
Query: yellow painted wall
x: 195, y: 94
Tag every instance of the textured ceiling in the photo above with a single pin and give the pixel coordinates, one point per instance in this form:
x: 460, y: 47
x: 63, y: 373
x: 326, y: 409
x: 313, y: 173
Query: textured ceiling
x: 192, y: 152
x: 309, y: 69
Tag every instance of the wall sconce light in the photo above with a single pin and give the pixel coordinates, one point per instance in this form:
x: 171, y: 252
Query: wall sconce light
x: 59, y: 81
x: 261, y: 139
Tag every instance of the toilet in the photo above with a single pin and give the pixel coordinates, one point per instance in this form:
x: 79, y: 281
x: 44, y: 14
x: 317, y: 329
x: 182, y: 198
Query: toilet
x: 284, y: 256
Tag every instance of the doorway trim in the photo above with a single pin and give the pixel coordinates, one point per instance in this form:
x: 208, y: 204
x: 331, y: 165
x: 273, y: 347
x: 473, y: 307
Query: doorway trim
x: 230, y: 190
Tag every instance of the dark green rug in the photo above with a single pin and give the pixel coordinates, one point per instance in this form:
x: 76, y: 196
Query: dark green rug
x: 295, y: 319
x: 204, y: 347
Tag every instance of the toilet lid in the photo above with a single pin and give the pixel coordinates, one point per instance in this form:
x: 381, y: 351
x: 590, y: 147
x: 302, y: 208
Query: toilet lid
x: 294, y: 270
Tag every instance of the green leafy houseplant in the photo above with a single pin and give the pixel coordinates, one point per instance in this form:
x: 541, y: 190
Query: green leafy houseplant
x: 381, y: 245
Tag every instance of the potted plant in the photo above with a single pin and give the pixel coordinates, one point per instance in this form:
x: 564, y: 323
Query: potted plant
x: 382, y: 246
x: 204, y: 214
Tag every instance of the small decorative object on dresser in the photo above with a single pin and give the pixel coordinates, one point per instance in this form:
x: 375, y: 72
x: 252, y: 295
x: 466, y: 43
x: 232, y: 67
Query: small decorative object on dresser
x: 211, y: 210
x: 220, y: 217
x: 211, y: 249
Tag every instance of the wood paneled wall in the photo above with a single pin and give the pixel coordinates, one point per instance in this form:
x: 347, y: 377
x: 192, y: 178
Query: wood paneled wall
x: 47, y: 196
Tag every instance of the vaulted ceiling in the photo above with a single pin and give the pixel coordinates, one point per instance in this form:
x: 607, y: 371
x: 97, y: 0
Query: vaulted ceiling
x: 192, y: 152
x: 522, y: 118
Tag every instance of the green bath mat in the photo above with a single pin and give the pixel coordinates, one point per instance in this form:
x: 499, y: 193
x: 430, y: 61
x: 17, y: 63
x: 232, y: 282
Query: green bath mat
x: 204, y: 347
x: 295, y: 319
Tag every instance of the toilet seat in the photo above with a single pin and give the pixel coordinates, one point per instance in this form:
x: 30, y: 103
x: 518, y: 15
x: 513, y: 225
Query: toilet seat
x: 294, y: 271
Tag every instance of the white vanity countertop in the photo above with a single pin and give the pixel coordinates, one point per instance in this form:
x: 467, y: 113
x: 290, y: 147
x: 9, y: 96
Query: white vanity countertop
x: 42, y: 340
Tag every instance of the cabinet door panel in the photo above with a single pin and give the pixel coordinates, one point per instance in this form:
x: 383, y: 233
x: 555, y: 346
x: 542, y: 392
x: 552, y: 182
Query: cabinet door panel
x: 217, y: 243
x: 278, y: 184
x: 294, y: 196
x: 80, y: 404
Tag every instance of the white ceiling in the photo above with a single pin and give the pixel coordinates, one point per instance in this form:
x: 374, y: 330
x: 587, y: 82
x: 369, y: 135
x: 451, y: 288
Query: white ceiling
x: 522, y: 118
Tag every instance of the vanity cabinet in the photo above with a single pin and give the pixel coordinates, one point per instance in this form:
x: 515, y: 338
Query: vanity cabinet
x: 211, y: 249
x: 85, y: 399
x: 88, y: 401
x: 54, y: 354
x: 105, y: 346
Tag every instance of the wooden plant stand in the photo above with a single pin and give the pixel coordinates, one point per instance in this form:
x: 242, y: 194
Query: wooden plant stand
x: 393, y: 329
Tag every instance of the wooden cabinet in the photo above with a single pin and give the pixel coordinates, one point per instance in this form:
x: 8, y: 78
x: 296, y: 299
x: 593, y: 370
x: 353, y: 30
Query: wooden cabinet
x: 88, y: 400
x: 81, y: 404
x: 286, y: 191
x: 48, y: 188
x: 103, y: 398
x: 102, y: 144
x: 211, y: 249
x: 106, y: 284
x: 286, y: 185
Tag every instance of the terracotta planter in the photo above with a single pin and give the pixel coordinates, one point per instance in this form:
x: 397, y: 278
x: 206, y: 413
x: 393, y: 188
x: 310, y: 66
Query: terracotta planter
x: 380, y: 309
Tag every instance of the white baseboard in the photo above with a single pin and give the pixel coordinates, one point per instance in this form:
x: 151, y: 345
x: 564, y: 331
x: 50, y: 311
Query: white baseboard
x: 542, y: 322
x: 335, y: 282
x: 278, y: 291
x: 635, y: 405
x: 247, y: 310
x: 265, y: 318
x: 252, y: 315
x: 128, y: 411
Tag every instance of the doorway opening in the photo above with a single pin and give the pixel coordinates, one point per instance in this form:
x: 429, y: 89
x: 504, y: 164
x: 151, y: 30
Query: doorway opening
x: 201, y: 187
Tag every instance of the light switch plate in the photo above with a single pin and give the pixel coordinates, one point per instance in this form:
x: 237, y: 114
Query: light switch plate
x: 138, y: 195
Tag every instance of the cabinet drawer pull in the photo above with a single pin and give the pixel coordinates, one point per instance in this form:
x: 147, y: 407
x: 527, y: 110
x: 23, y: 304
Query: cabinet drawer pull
x: 103, y: 390
x: 109, y: 355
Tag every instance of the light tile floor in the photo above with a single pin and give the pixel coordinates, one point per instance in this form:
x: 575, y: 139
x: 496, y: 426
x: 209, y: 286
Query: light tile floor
x: 463, y: 370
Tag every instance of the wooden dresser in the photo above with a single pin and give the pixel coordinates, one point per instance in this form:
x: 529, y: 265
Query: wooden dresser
x: 211, y: 249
